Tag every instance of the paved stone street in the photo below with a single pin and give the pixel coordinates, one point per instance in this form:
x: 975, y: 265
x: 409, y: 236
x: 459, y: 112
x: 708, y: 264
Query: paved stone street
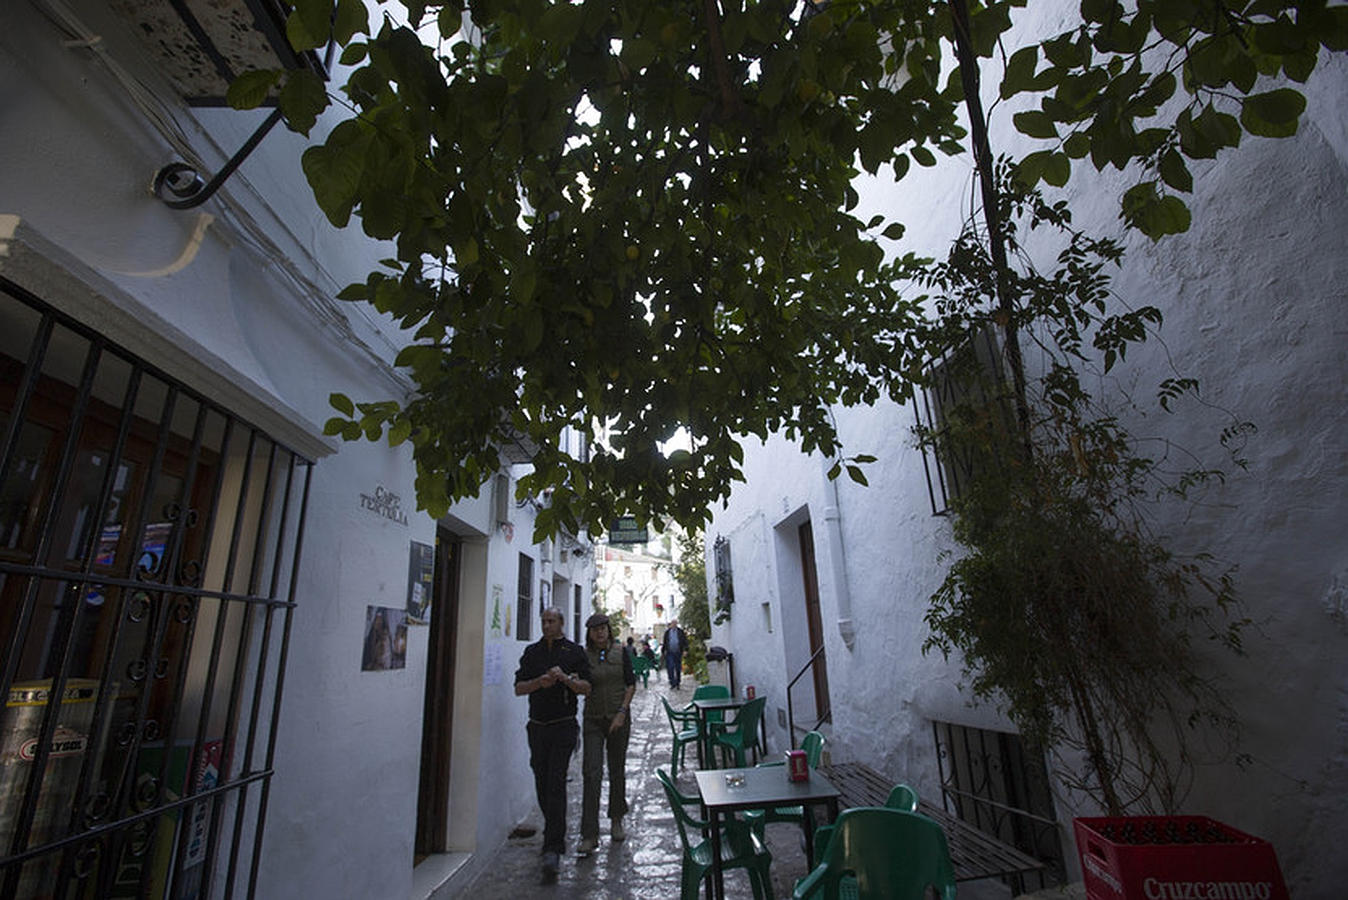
x: 646, y: 866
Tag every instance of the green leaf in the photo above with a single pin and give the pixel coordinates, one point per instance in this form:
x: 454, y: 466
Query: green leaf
x: 1077, y: 145
x: 342, y: 403
x: 1019, y: 72
x: 1154, y: 214
x: 449, y: 20
x: 1030, y: 170
x: 305, y: 32
x: 923, y: 157
x: 355, y: 291
x: 1174, y: 172
x: 1274, y: 113
x: 466, y: 254
x: 1217, y: 129
x: 351, y: 19
x: 1058, y: 170
x: 353, y: 54
x: 399, y: 431
x: 249, y: 90
x: 855, y: 473
x: 302, y: 98
x: 893, y: 231
x: 1034, y: 123
x: 1099, y: 10
x: 335, y: 169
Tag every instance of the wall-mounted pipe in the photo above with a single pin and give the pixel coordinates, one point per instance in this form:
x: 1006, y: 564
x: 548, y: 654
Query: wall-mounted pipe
x: 838, y: 558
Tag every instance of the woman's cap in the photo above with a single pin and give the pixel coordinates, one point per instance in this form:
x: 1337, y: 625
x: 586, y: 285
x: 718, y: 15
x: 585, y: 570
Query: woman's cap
x: 596, y: 619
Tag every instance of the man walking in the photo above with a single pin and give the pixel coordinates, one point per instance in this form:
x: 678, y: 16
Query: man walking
x: 673, y: 645
x: 552, y: 672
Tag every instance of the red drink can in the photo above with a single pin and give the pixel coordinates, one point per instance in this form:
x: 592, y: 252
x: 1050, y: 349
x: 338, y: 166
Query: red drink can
x: 749, y: 692
x: 797, y: 768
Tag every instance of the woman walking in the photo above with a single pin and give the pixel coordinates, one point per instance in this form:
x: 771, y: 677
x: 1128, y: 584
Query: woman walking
x: 606, y: 730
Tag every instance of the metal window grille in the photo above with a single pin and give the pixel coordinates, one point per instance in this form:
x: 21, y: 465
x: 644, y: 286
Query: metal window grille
x: 524, y: 613
x: 990, y: 780
x: 966, y: 392
x: 149, y: 543
x: 725, y: 576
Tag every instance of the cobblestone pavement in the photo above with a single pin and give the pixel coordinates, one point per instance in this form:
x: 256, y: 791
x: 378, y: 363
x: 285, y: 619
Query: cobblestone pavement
x: 646, y: 865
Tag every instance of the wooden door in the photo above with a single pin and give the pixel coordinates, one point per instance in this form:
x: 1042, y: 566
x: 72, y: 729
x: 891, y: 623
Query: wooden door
x: 815, y: 620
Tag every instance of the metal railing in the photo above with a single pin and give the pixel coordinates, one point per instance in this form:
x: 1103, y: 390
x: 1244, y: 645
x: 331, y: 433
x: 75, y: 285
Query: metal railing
x: 827, y: 714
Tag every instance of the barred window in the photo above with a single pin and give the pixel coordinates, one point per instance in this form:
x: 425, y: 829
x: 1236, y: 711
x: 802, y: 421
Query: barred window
x: 149, y: 541
x: 524, y: 608
x: 962, y: 416
x: 725, y: 578
x: 993, y: 781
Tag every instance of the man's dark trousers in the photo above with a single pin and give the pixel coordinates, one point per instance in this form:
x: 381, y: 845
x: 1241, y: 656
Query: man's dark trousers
x: 674, y: 665
x: 550, y: 749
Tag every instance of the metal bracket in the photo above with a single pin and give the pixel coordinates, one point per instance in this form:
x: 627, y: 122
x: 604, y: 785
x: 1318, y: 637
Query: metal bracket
x: 181, y: 186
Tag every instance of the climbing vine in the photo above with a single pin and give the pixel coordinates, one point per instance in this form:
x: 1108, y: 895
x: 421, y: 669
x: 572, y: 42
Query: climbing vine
x: 1064, y: 607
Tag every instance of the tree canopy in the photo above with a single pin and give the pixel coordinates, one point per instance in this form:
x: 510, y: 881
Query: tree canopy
x: 634, y: 217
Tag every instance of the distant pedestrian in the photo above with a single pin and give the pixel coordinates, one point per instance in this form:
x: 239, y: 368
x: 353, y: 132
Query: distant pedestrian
x: 552, y: 672
x: 673, y: 645
x: 607, y: 730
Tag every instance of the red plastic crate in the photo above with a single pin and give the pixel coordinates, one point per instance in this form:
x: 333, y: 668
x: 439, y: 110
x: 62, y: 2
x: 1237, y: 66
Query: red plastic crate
x: 1175, y: 858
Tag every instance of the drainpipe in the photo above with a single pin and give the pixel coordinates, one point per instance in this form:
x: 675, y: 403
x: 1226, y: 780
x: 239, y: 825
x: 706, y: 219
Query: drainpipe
x: 837, y: 559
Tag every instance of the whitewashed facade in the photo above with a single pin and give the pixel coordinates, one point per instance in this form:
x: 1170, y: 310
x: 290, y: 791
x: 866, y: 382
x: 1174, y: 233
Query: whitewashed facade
x: 638, y: 580
x: 1253, y: 297
x: 233, y: 302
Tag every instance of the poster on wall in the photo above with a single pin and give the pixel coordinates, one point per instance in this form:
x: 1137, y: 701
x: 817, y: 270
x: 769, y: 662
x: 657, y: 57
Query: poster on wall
x: 500, y: 624
x: 385, y: 639
x: 493, y: 659
x: 420, y: 572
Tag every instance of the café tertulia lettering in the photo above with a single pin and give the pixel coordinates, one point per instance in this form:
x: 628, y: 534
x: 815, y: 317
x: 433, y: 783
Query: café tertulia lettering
x: 385, y: 503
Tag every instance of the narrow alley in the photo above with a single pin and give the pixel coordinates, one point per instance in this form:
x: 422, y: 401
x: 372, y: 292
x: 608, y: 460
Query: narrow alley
x: 645, y: 866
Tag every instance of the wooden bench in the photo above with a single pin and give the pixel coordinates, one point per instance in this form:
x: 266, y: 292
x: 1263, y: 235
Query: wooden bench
x: 974, y: 854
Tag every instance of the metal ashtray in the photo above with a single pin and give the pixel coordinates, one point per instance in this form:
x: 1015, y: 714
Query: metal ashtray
x: 734, y: 780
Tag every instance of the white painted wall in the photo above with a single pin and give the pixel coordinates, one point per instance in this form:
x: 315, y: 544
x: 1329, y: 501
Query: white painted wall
x: 1253, y: 296
x: 235, y: 298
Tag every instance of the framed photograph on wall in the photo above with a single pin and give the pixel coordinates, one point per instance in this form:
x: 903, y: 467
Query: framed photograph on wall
x: 385, y: 639
x: 420, y: 579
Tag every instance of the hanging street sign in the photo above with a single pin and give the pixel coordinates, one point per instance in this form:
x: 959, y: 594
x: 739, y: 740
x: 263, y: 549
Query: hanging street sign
x: 625, y: 530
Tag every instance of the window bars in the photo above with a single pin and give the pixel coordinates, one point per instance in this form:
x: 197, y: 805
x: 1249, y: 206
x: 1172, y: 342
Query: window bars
x: 149, y: 544
x: 524, y: 599
x: 964, y: 415
x: 725, y: 578
x: 992, y: 781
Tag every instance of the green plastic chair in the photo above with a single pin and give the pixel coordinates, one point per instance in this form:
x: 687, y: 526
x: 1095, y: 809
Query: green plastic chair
x: 758, y: 819
x: 684, y: 725
x: 902, y: 797
x: 740, y: 847
x: 738, y: 736
x: 715, y: 718
x: 642, y: 667
x: 877, y: 853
